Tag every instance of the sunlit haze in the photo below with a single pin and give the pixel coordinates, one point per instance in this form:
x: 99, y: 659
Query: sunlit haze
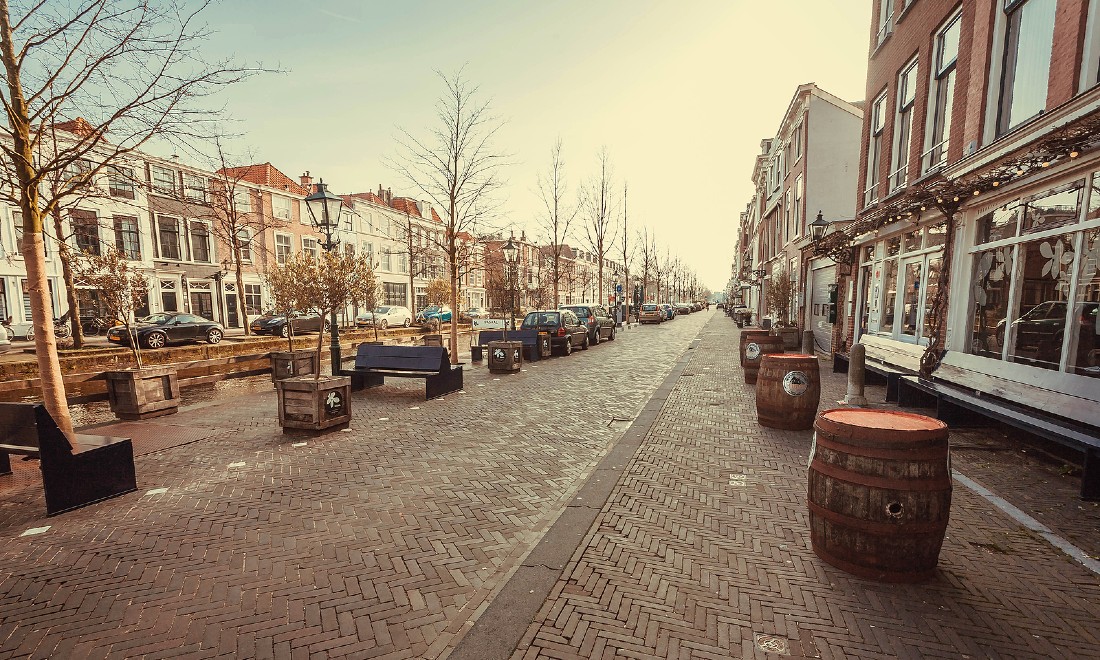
x: 680, y: 93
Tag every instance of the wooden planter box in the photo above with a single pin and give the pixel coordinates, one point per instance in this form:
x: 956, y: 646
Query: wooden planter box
x: 314, y: 404
x: 143, y: 393
x: 505, y: 356
x: 288, y: 364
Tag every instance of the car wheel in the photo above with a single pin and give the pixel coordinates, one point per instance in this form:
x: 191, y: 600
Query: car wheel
x: 595, y: 338
x: 284, y: 331
x: 584, y: 346
x: 568, y: 348
x: 383, y: 324
x: 408, y: 322
x: 214, y: 336
x: 611, y: 337
x: 30, y: 334
x: 155, y: 340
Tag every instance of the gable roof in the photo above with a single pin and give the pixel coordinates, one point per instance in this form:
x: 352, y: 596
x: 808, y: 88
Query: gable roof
x: 264, y: 174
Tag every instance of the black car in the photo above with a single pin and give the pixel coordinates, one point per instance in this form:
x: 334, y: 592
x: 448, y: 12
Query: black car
x: 158, y: 330
x: 566, y: 330
x: 272, y: 323
x: 597, y: 319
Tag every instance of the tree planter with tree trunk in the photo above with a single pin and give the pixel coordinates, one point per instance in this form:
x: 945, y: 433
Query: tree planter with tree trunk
x: 289, y: 364
x: 141, y: 392
x: 322, y: 285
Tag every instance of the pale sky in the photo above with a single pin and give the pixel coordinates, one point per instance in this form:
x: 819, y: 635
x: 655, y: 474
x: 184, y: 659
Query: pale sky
x: 680, y: 93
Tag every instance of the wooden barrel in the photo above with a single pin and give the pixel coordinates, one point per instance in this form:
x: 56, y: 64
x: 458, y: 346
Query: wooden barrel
x: 788, y: 391
x: 879, y: 492
x: 755, y: 344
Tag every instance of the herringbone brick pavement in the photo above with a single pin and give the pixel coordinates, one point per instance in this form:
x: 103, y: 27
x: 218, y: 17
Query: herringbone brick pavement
x: 382, y: 541
x: 703, y: 551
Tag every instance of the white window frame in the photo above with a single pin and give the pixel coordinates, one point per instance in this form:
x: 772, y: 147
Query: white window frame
x: 942, y: 79
x: 280, y: 207
x: 885, y: 21
x: 245, y: 246
x: 288, y: 244
x: 903, y: 125
x: 159, y: 186
x: 995, y: 127
x: 242, y: 199
x: 1090, y: 61
x: 874, y: 146
x: 310, y: 245
x: 191, y: 191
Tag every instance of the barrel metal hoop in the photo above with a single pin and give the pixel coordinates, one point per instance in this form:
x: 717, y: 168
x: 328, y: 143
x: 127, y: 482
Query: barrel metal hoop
x: 924, y: 485
x: 930, y: 450
x: 891, y: 529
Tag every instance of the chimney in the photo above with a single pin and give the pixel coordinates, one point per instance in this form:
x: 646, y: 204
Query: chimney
x: 389, y: 196
x: 307, y: 181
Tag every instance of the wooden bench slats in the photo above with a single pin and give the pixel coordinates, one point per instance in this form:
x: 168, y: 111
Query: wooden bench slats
x: 373, y: 363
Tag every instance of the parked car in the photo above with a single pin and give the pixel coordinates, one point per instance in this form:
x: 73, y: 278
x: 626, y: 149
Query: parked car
x: 651, y: 314
x: 386, y: 316
x: 597, y: 319
x: 159, y: 330
x: 670, y: 311
x: 684, y: 308
x: 443, y: 314
x: 475, y: 313
x: 566, y: 330
x: 272, y: 323
x: 1042, y: 329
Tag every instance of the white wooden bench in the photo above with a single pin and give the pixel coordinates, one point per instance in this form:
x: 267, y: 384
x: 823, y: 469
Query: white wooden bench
x: 891, y: 359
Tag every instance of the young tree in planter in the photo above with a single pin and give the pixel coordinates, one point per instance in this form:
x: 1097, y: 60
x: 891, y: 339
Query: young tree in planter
x: 122, y: 288
x: 292, y: 285
x: 371, y: 294
x: 778, y: 298
x: 340, y: 276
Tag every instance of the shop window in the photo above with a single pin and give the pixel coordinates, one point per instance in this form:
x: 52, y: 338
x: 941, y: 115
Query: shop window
x: 1084, y: 347
x: 999, y: 224
x: 889, y: 295
x: 1052, y: 210
x: 931, y: 290
x: 911, y: 299
x: 4, y: 313
x: 936, y: 235
x: 990, y: 283
x: 912, y: 240
x: 1037, y: 334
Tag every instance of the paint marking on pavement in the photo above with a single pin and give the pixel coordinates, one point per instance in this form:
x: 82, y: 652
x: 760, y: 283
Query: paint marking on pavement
x: 772, y: 644
x: 738, y: 480
x: 414, y: 408
x: 383, y: 419
x: 299, y: 444
x: 35, y: 530
x: 1029, y: 522
x: 156, y: 491
x: 237, y: 464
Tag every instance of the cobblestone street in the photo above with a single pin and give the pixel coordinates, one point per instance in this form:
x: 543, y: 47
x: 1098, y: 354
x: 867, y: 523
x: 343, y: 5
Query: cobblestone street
x: 621, y: 502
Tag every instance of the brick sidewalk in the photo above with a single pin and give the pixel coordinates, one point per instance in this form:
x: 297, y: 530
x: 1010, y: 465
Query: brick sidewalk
x: 392, y: 539
x: 703, y: 551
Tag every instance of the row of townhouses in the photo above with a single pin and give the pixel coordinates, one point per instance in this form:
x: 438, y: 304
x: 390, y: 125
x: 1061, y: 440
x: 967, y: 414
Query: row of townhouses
x: 170, y: 220
x: 961, y: 200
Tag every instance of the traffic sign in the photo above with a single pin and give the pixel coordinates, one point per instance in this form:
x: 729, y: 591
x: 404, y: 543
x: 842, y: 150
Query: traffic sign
x: 618, y: 288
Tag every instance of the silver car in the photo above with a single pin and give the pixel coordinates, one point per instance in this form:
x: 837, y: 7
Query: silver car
x: 385, y: 316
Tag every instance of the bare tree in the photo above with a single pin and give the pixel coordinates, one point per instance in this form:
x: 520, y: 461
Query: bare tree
x: 599, y: 227
x: 134, y: 70
x: 628, y: 255
x: 556, y: 219
x: 648, y: 243
x: 419, y: 248
x: 457, y: 167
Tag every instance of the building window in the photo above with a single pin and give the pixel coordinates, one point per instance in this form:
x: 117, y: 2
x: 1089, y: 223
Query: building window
x: 253, y: 301
x: 280, y: 207
x: 1029, y: 39
x: 76, y: 172
x: 1036, y: 292
x: 164, y: 180
x: 395, y: 293
x: 799, y: 212
x: 4, y: 313
x: 874, y: 149
x: 120, y: 182
x: 907, y: 93
x: 403, y: 263
x: 200, y: 242
x: 282, y: 248
x: 798, y: 142
x: 168, y: 300
x: 85, y: 231
x: 244, y: 243
x: 242, y: 200
x: 194, y: 187
x: 386, y: 262
x: 126, y: 236
x: 169, y: 230
x: 309, y: 246
x: 787, y: 217
x: 942, y: 95
x: 885, y: 21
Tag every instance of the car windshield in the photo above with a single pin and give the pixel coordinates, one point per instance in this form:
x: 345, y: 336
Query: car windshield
x: 536, y: 319
x: 382, y: 310
x: 429, y: 310
x: 649, y: 308
x: 156, y: 318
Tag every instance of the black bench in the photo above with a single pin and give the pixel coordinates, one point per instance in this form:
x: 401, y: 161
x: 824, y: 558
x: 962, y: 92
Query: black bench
x: 956, y: 406
x: 432, y: 363
x: 96, y: 469
x: 532, y: 351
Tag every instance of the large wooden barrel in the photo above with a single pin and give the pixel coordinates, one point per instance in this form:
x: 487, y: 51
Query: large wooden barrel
x: 788, y: 391
x: 879, y: 492
x: 755, y: 344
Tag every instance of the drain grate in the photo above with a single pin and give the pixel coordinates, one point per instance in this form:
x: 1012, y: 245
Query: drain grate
x: 772, y: 644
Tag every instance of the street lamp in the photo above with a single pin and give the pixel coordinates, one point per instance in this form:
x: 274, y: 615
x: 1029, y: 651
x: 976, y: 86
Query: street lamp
x: 511, y: 258
x: 324, y: 212
x: 817, y: 228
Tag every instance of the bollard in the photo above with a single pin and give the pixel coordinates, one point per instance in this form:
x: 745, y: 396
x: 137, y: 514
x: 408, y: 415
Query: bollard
x: 857, y: 361
x: 808, y: 342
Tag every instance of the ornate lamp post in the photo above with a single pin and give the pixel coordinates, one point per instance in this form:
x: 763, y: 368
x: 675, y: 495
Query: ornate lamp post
x: 511, y: 258
x: 324, y: 212
x: 817, y: 228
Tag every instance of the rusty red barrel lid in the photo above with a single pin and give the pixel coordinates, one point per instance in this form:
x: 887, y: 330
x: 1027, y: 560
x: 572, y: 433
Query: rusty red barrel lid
x: 861, y: 426
x: 789, y: 356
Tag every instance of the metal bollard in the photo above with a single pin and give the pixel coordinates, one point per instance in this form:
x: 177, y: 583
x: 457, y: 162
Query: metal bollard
x: 857, y: 362
x: 808, y: 342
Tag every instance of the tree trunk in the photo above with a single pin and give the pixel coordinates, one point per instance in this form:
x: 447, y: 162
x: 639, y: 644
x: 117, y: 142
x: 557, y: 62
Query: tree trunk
x: 65, y: 255
x: 454, y: 306
x: 242, y: 310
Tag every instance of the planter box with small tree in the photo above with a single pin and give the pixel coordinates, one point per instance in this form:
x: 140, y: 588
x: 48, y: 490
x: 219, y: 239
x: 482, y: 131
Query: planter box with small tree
x: 779, y: 297
x: 291, y: 362
x: 321, y: 285
x: 140, y: 392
